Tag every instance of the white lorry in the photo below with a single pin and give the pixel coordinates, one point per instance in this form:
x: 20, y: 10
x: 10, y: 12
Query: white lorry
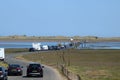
x: 36, y: 46
x: 2, y: 54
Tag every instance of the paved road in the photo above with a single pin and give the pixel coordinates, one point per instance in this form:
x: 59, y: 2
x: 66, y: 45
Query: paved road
x: 49, y: 73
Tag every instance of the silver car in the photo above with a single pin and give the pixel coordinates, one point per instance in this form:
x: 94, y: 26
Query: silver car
x: 3, y: 73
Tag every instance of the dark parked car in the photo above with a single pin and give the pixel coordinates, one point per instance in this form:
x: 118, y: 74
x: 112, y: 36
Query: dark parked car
x: 56, y: 47
x: 31, y: 49
x: 3, y: 73
x: 35, y: 69
x: 53, y: 48
x: 14, y: 69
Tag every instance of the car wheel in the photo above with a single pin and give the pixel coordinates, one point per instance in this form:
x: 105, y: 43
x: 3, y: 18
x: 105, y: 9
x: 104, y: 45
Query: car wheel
x: 4, y: 78
x: 20, y: 74
x: 41, y: 75
x: 8, y: 74
x: 28, y: 75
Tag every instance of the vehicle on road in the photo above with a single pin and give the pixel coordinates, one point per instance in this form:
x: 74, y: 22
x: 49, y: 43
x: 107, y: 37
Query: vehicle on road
x: 15, y: 69
x: 44, y: 47
x: 2, y: 54
x: 32, y: 49
x: 35, y: 69
x: 38, y: 47
x: 3, y: 73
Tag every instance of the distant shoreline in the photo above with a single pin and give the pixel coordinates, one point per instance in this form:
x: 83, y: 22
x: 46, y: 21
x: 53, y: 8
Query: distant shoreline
x: 57, y: 39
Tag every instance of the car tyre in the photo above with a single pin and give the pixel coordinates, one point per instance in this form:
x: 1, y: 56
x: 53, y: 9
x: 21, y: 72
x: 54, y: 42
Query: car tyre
x: 20, y: 74
x: 28, y: 75
x: 4, y: 78
x: 41, y: 75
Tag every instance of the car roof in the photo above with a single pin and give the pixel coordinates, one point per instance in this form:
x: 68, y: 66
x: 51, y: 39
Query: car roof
x: 34, y: 63
x: 14, y: 64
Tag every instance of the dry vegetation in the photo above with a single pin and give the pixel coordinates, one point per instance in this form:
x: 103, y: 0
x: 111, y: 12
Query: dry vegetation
x: 89, y: 64
x: 56, y: 38
x: 16, y: 50
x: 3, y: 64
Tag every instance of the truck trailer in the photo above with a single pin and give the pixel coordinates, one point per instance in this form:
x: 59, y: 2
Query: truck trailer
x: 2, y: 54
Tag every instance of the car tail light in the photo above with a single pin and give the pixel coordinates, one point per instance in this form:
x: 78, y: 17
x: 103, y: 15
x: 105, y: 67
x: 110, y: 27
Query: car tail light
x: 18, y: 69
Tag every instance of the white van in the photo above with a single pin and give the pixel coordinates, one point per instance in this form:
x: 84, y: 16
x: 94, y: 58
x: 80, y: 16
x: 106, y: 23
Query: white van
x: 45, y: 47
x: 2, y: 54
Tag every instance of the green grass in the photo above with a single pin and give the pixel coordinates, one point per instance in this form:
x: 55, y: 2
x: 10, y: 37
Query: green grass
x: 3, y: 64
x: 89, y: 64
x: 16, y: 50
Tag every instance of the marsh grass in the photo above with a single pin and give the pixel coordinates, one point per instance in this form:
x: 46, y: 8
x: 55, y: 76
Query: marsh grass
x: 16, y: 50
x: 89, y: 64
x: 3, y: 64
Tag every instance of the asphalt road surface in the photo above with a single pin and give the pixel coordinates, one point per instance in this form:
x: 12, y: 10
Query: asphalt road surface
x: 49, y: 73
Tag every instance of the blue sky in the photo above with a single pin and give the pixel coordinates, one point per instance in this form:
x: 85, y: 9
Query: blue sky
x: 60, y: 18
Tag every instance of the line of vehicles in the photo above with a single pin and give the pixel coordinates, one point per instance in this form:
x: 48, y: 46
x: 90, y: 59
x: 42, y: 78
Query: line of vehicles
x: 35, y: 47
x: 39, y: 47
x: 33, y: 69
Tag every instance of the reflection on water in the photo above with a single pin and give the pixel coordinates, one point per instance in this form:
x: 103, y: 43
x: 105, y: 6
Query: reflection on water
x: 101, y: 45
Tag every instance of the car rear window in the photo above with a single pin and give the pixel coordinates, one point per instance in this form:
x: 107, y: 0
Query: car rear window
x: 34, y: 65
x: 14, y: 65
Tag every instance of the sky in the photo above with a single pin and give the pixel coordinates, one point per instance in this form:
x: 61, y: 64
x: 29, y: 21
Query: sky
x: 60, y: 18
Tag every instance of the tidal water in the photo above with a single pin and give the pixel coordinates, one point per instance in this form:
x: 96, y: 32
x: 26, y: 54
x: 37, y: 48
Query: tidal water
x: 92, y: 45
x: 101, y: 45
x: 9, y: 44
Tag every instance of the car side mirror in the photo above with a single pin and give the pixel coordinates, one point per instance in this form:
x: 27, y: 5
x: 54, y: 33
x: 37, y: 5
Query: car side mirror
x: 21, y: 66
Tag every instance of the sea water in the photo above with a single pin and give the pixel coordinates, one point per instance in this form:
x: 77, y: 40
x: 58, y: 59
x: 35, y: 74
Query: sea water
x: 90, y: 45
